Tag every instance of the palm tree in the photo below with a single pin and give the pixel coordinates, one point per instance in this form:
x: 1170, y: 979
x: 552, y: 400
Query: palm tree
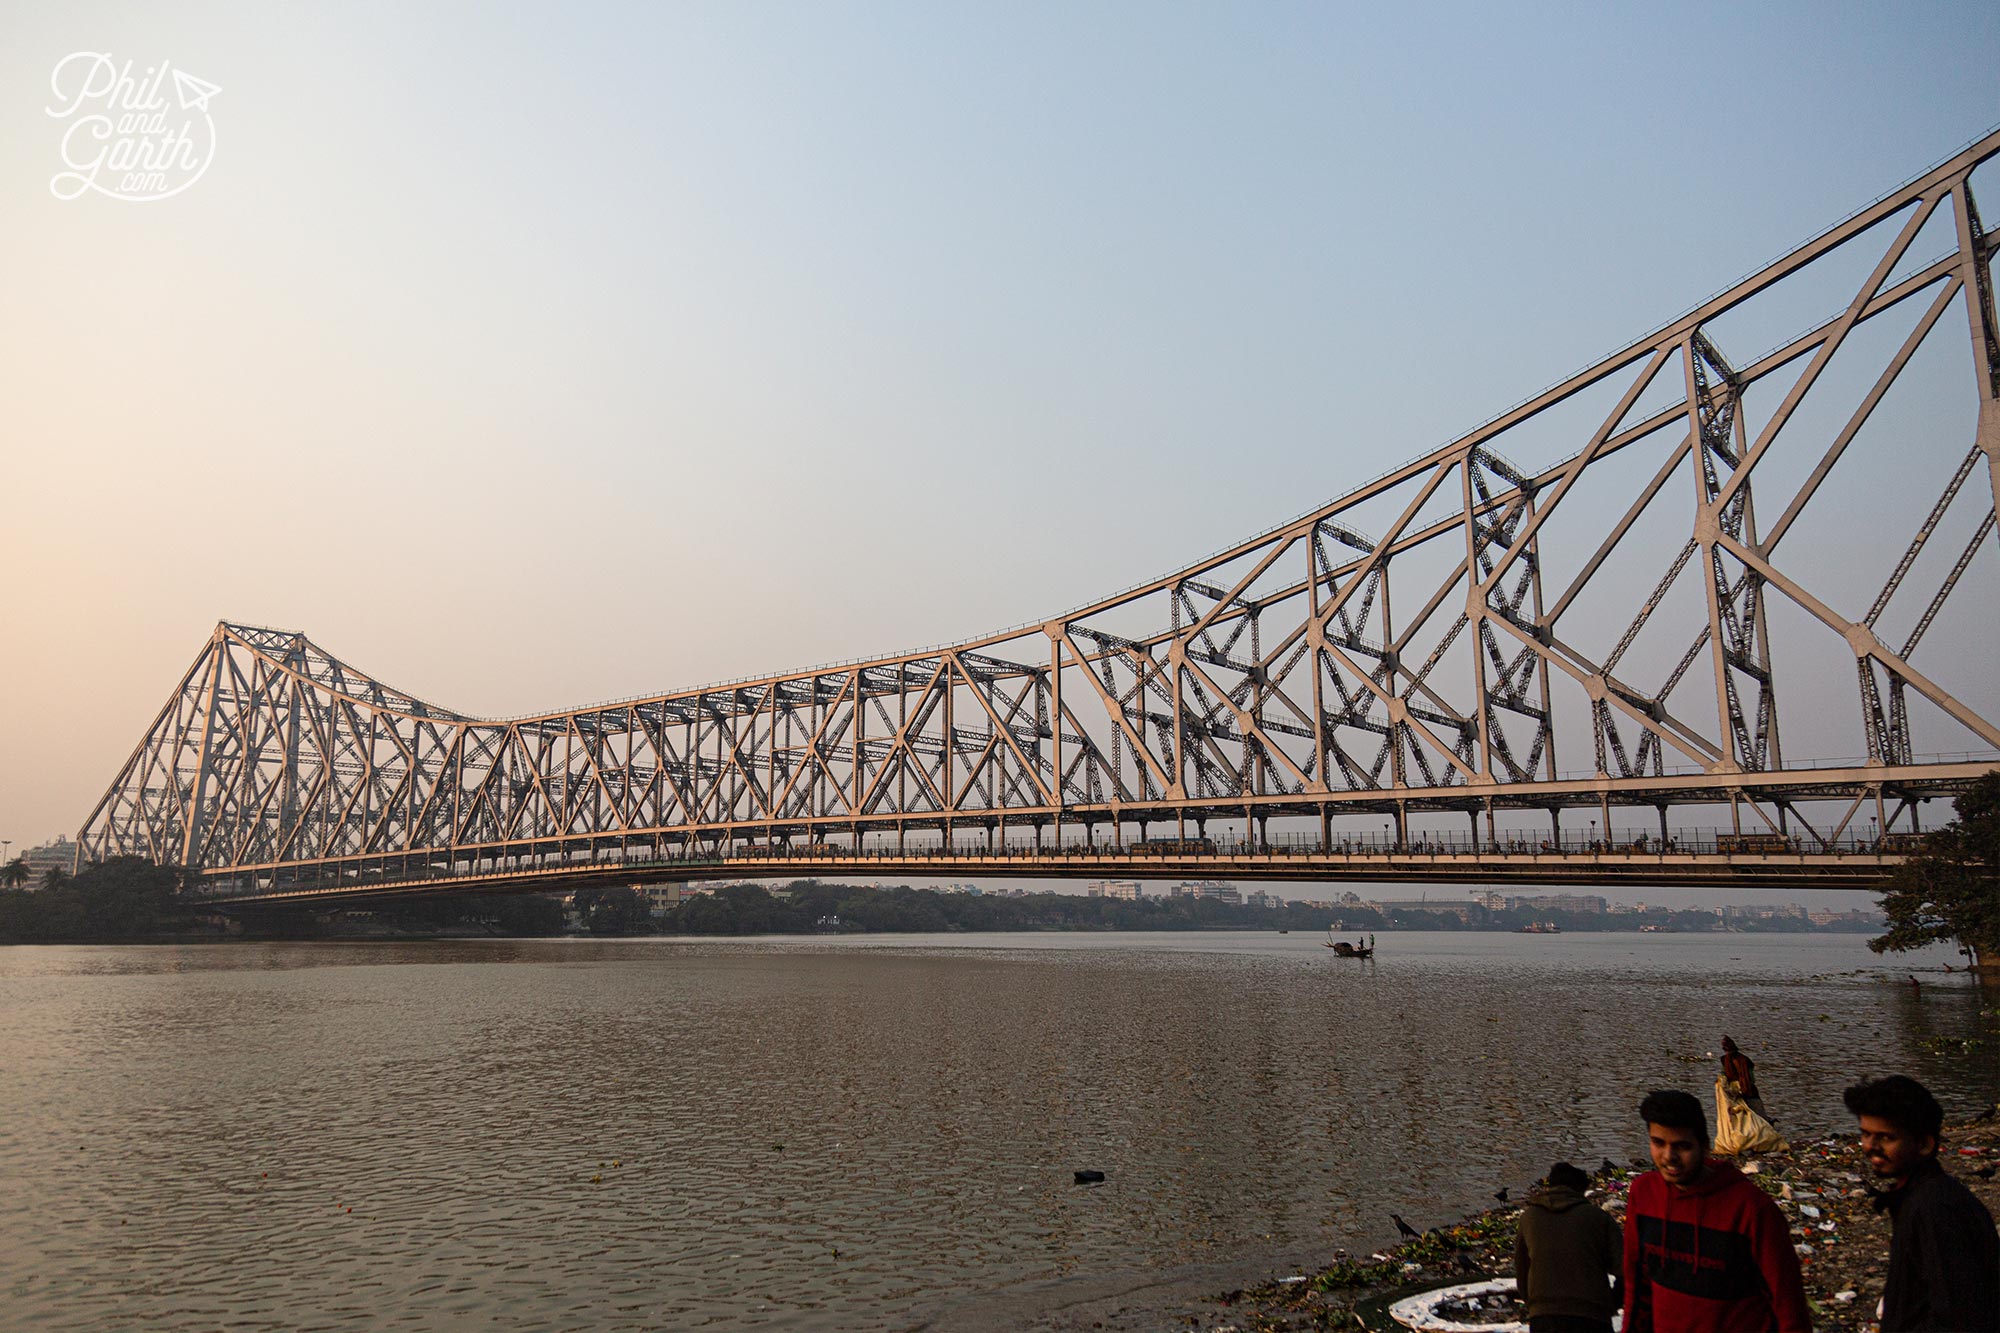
x: 16, y: 872
x: 54, y: 877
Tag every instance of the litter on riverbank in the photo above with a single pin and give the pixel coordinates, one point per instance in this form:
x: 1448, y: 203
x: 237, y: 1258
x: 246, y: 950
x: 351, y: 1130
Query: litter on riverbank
x: 1823, y: 1186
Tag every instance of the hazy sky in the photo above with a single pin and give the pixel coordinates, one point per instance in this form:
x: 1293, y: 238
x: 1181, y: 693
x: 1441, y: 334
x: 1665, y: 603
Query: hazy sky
x: 528, y: 356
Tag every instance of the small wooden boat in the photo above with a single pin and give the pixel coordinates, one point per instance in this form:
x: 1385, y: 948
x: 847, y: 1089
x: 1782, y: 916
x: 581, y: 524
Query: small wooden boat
x: 1344, y: 949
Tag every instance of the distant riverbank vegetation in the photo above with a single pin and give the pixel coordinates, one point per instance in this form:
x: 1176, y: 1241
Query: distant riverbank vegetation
x: 128, y: 899
x: 123, y: 899
x: 806, y: 906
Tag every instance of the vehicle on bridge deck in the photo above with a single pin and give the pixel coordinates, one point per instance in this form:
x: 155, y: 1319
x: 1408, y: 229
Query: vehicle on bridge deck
x: 1907, y: 843
x: 1174, y: 847
x: 1754, y: 842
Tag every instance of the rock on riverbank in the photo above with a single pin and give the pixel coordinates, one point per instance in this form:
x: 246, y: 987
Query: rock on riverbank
x: 1822, y: 1186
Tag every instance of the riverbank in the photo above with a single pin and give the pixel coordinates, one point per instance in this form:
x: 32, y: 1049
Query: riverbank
x: 1822, y: 1185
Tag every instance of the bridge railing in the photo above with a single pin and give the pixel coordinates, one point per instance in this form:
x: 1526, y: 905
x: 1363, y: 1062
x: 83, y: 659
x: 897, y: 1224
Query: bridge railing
x: 1175, y: 856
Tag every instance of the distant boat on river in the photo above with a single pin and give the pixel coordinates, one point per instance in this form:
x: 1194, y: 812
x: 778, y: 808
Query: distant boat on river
x: 1540, y: 928
x: 1345, y: 949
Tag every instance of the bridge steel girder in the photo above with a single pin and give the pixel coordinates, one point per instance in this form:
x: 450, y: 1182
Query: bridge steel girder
x: 1266, y: 681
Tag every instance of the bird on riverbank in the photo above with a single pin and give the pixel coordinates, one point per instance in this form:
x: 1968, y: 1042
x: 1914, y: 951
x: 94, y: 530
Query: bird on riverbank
x: 1606, y: 1167
x: 1404, y: 1229
x: 1501, y: 1194
x: 1987, y: 1114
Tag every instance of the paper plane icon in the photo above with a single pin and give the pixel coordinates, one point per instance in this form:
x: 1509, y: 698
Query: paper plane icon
x: 194, y: 93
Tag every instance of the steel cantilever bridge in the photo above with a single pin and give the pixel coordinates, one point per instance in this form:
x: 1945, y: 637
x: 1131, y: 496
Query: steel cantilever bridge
x: 1445, y: 674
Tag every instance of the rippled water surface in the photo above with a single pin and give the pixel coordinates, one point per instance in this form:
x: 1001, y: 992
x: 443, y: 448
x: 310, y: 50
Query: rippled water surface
x: 838, y: 1133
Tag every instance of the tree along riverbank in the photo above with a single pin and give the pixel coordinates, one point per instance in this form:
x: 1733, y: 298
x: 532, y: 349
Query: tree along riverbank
x: 128, y: 900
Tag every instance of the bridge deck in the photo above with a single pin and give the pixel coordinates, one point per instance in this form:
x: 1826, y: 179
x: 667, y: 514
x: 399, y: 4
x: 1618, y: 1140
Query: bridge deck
x: 1840, y: 868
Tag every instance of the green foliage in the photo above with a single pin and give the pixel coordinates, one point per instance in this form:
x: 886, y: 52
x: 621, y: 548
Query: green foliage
x: 802, y: 906
x: 612, y: 909
x: 1355, y: 1273
x: 502, y: 914
x: 524, y: 914
x: 124, y: 898
x: 1949, y: 1045
x: 1951, y: 890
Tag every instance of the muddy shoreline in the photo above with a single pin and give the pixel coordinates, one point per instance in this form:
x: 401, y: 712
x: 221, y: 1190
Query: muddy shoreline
x: 1821, y: 1184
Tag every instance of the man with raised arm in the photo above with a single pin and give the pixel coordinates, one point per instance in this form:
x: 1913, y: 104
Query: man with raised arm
x: 1706, y: 1251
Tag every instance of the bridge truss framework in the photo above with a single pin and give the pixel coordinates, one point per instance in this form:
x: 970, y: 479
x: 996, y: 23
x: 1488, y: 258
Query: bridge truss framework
x: 1440, y: 662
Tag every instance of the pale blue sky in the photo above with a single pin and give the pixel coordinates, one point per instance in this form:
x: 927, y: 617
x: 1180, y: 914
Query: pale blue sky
x: 530, y: 356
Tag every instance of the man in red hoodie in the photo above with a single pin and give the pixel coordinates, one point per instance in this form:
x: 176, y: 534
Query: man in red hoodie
x: 1706, y: 1251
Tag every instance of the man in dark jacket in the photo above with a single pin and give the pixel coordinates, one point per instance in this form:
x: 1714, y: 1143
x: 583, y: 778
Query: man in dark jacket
x: 1706, y: 1251
x: 1563, y: 1249
x: 1944, y: 1257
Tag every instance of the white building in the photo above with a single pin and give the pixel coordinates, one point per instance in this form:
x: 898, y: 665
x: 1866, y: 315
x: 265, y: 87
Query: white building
x: 1206, y: 888
x: 57, y: 855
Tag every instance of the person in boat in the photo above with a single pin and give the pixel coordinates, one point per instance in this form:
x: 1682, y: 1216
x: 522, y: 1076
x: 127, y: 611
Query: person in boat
x: 1741, y: 1070
x: 1565, y: 1250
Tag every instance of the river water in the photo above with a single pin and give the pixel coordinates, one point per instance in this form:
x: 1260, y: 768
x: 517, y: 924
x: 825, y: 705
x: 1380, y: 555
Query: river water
x: 844, y: 1133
